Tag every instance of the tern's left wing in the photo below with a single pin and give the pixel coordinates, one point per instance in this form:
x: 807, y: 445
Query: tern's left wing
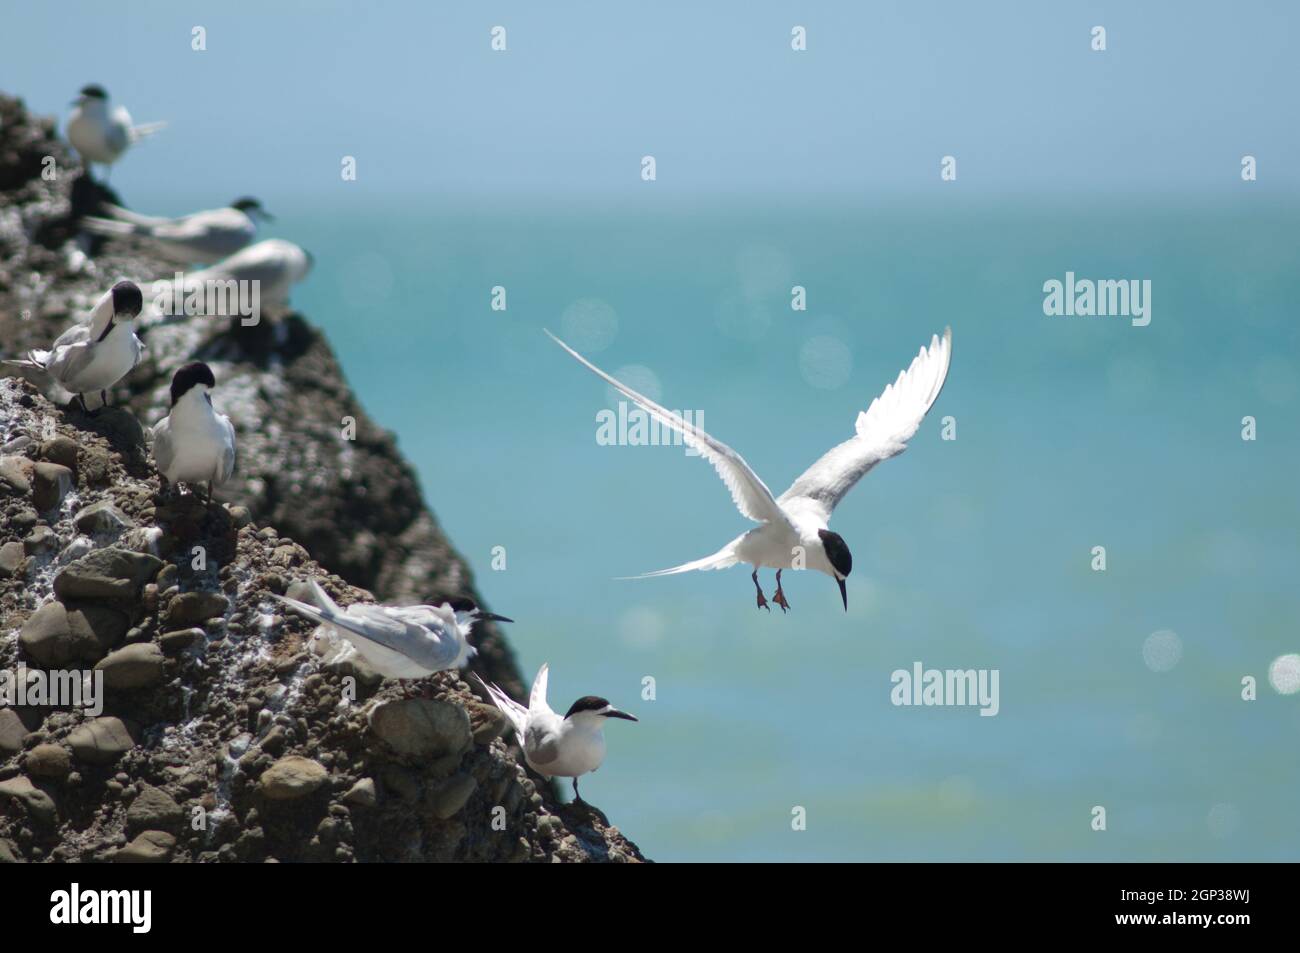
x: 882, y: 430
x: 750, y: 494
x: 226, y: 467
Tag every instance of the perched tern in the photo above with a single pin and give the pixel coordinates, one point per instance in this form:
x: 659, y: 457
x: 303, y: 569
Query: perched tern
x: 202, y: 237
x: 96, y: 354
x: 398, y: 642
x: 793, y: 530
x: 275, y: 265
x: 567, y: 747
x: 194, y: 443
x: 100, y: 134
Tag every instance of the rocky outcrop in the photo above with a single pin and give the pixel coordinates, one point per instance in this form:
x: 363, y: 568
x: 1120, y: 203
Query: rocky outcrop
x: 222, y: 736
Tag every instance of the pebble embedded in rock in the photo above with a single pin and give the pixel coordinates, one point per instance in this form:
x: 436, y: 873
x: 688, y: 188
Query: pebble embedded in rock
x: 101, y: 517
x: 16, y: 475
x: 153, y: 810
x: 362, y: 794
x: 151, y: 847
x: 51, y: 482
x: 39, y: 805
x: 40, y: 539
x: 110, y: 573
x: 60, y: 449
x: 101, y: 741
x: 56, y: 635
x: 12, y: 731
x: 421, y: 729
x: 12, y: 555
x: 138, y: 665
x: 49, y: 761
x: 191, y: 608
x: 179, y: 640
x: 291, y: 778
x: 452, y: 795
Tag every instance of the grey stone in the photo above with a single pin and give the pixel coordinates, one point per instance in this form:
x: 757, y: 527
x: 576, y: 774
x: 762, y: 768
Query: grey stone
x: 452, y: 794
x: 150, y: 847
x: 16, y: 475
x: 420, y: 728
x: 49, y: 761
x: 12, y: 731
x: 39, y: 805
x: 110, y: 573
x: 101, y: 741
x: 39, y: 540
x: 362, y: 794
x: 291, y: 778
x: 51, y: 482
x: 101, y: 517
x: 56, y: 635
x: 60, y: 449
x: 191, y: 608
x: 139, y: 665
x: 180, y: 640
x: 153, y: 810
x: 11, y: 559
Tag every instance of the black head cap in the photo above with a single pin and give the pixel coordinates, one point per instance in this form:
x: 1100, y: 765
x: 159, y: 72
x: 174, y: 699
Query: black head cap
x: 190, y: 376
x: 587, y: 703
x: 837, y: 551
x: 94, y: 91
x: 458, y: 604
x: 246, y: 204
x: 127, y: 298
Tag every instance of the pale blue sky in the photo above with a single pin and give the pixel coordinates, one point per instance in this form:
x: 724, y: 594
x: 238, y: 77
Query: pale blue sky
x: 712, y: 90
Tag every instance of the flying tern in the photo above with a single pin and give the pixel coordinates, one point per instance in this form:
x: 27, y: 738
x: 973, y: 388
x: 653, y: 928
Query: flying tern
x: 194, y: 443
x: 101, y: 134
x: 398, y: 641
x: 793, y: 530
x: 96, y: 354
x: 567, y: 747
x: 202, y: 237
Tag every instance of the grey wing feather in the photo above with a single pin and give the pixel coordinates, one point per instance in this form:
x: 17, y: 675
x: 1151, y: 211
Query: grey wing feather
x: 163, y: 451
x: 542, y: 748
x: 69, y: 360
x: 227, y: 466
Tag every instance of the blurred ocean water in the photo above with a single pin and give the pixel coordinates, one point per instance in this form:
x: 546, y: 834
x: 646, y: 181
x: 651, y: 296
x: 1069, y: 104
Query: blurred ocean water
x: 1071, y: 433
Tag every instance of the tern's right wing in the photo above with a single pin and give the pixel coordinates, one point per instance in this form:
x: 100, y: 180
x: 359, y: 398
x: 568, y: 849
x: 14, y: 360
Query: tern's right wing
x: 537, y: 697
x: 163, y: 451
x: 750, y: 494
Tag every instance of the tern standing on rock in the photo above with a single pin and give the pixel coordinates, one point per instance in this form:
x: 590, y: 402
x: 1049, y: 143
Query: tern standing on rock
x: 95, y: 355
x: 202, y: 237
x: 567, y: 747
x: 793, y: 531
x: 100, y: 134
x: 398, y: 642
x: 194, y: 443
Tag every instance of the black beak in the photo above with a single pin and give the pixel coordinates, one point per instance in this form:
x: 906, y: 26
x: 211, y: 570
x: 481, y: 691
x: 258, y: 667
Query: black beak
x: 493, y: 617
x: 844, y: 594
x: 266, y: 215
x: 615, y: 713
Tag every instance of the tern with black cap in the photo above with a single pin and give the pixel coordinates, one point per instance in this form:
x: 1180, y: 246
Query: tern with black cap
x: 193, y: 443
x: 793, y: 530
x: 398, y: 641
x: 93, y: 356
x: 556, y: 747
x: 100, y: 133
x: 198, y: 238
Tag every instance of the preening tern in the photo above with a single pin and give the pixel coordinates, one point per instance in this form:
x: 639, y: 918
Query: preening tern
x: 96, y: 354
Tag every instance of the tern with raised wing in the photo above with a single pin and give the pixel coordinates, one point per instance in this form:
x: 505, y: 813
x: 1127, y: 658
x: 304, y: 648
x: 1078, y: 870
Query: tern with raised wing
x: 398, y: 641
x: 793, y: 529
x: 556, y: 747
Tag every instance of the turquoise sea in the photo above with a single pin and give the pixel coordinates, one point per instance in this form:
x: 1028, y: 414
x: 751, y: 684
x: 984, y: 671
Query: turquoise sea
x: 977, y: 552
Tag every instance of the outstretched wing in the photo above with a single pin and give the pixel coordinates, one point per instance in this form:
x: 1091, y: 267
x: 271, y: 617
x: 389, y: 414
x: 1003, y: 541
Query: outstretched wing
x: 750, y: 494
x: 882, y: 431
